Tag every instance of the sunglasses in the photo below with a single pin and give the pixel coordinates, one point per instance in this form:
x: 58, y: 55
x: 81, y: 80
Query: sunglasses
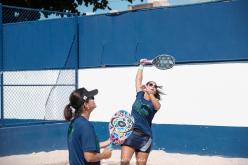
x: 152, y: 85
x: 91, y: 98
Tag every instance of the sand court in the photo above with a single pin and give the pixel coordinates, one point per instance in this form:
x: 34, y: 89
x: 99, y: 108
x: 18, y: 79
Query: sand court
x: 157, y: 157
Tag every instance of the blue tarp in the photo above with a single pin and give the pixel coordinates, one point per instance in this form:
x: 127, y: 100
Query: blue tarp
x: 40, y: 45
x: 207, y: 32
x: 203, y: 32
x: 1, y: 39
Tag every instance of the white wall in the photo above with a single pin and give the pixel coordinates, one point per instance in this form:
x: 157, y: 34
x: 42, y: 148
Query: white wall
x: 206, y: 94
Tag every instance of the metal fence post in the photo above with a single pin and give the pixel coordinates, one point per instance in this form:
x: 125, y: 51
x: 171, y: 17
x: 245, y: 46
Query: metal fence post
x: 77, y: 54
x: 1, y: 67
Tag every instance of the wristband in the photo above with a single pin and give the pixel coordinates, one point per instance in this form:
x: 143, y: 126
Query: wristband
x: 141, y: 67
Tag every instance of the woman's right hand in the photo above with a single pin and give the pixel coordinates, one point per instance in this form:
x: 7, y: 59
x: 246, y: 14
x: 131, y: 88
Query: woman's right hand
x: 145, y: 61
x: 106, y: 153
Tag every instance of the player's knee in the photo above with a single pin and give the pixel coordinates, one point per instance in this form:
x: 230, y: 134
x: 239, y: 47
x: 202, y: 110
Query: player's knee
x: 125, y: 161
x: 141, y: 161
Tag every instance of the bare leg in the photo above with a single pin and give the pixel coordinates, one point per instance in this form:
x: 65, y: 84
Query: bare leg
x: 141, y: 158
x: 126, y: 155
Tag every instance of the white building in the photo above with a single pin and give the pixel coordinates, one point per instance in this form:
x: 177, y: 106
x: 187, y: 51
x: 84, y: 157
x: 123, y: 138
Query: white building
x: 149, y: 4
x: 157, y: 3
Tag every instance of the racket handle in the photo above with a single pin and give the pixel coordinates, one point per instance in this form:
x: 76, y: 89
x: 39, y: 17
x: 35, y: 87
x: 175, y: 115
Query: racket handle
x: 145, y: 61
x: 110, y: 146
x: 149, y: 61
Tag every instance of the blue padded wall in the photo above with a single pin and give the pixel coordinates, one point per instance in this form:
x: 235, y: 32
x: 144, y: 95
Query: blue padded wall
x: 216, y: 31
x: 40, y: 45
x: 1, y: 39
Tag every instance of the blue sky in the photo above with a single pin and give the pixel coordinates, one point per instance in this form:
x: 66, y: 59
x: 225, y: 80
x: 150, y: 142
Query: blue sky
x: 122, y: 5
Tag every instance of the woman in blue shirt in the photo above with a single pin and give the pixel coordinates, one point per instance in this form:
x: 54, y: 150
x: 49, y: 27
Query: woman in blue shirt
x: 83, y: 144
x: 143, y: 110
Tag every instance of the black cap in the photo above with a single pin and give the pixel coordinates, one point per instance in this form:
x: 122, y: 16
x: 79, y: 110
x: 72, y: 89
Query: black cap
x: 84, y: 93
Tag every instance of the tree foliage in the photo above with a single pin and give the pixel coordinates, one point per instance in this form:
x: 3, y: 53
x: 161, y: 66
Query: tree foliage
x: 60, y: 5
x: 57, y: 7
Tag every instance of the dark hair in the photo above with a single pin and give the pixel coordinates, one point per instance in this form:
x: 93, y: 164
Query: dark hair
x: 76, y: 102
x: 158, y: 91
x: 77, y: 98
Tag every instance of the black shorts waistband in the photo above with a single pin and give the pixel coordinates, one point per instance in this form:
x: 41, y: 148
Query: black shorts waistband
x: 138, y: 132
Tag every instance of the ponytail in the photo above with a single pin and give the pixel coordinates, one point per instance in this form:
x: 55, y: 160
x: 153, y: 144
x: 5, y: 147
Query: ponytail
x: 71, y: 111
x: 75, y: 107
x: 68, y: 112
x: 159, y: 92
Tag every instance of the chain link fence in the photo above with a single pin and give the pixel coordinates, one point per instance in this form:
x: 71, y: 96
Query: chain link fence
x: 36, y: 96
x: 33, y: 97
x: 16, y: 14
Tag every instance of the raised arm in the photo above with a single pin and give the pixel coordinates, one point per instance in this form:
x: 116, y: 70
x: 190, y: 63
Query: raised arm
x: 139, y: 78
x: 139, y: 74
x: 140, y: 86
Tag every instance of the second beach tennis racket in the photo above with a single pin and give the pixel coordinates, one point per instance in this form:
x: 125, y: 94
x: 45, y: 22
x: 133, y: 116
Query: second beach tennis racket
x: 162, y: 62
x: 120, y: 127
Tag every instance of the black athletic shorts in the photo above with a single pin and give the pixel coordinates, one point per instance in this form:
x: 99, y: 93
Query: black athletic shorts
x: 139, y: 141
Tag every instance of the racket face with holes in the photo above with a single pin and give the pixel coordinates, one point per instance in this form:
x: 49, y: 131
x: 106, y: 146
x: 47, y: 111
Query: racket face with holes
x: 120, y: 126
x: 163, y: 61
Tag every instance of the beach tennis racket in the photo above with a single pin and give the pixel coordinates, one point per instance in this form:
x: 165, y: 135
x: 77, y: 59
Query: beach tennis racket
x: 120, y: 127
x: 162, y: 61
